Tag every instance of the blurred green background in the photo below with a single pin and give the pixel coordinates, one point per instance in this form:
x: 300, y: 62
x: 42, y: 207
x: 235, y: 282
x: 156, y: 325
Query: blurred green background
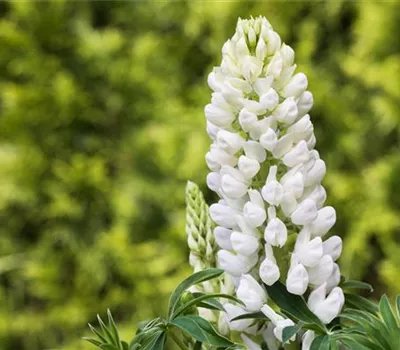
x: 101, y: 124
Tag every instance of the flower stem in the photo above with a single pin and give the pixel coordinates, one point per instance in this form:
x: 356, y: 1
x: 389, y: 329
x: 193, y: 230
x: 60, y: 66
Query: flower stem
x: 178, y: 342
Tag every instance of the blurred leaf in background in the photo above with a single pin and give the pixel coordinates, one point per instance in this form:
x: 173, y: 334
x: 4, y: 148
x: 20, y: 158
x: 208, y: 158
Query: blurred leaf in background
x: 101, y: 124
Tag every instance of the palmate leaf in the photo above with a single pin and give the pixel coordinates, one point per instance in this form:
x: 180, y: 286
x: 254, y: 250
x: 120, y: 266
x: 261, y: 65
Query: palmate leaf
x: 293, y: 305
x: 358, y: 302
x: 252, y: 315
x: 196, y: 278
x: 201, y: 330
x: 387, y: 313
x: 199, y: 299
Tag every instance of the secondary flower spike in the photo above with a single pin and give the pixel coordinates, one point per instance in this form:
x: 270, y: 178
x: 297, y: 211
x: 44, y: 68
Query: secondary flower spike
x: 267, y: 173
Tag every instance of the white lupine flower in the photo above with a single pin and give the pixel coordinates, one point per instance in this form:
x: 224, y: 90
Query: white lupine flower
x: 323, y: 223
x: 223, y: 237
x: 223, y: 215
x: 279, y: 322
x: 326, y: 307
x: 230, y: 142
x: 251, y: 293
x: 297, y: 155
x: 305, y: 213
x: 272, y: 192
x: 333, y: 247
x: 307, y: 339
x: 308, y: 251
x: 250, y: 344
x: 235, y: 264
x: 248, y: 167
x: 320, y: 272
x: 297, y: 279
x: 269, y: 139
x: 244, y: 244
x: 287, y: 111
x: 334, y: 278
x: 214, y: 181
x: 232, y: 311
x: 265, y: 169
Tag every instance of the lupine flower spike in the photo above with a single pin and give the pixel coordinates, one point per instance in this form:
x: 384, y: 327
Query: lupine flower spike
x: 267, y: 173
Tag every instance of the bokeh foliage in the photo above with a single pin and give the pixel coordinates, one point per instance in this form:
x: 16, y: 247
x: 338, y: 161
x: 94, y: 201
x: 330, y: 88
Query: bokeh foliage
x: 101, y: 124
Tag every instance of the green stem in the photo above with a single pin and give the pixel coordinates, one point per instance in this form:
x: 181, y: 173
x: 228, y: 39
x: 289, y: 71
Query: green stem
x: 291, y: 346
x: 178, y: 342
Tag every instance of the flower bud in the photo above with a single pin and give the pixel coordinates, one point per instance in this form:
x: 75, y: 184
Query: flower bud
x: 214, y: 181
x: 254, y: 214
x: 221, y: 157
x: 230, y: 142
x: 272, y: 192
x: 244, y: 244
x: 269, y: 272
x: 262, y: 85
x: 296, y: 86
x: 275, y: 66
x: 320, y: 272
x: 215, y: 79
x: 261, y: 49
x: 242, y: 48
x: 333, y: 247
x: 287, y: 55
x: 279, y: 322
x: 273, y: 40
x: 219, y: 116
x: 297, y: 279
x: 254, y: 150
x: 251, y: 293
x: 247, y: 119
x: 275, y: 233
x: 248, y: 167
x: 308, y: 252
x: 305, y: 213
x: 298, y: 154
x: 251, y: 68
x: 323, y: 223
x: 223, y: 237
x: 223, y: 215
x: 233, y: 311
x: 236, y: 265
x: 305, y: 103
x: 326, y: 308
x: 269, y: 140
x: 287, y: 111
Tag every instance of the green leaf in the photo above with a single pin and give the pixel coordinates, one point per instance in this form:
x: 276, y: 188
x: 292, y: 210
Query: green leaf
x: 107, y: 334
x: 293, y: 305
x: 359, y: 302
x: 289, y: 332
x: 201, y: 330
x: 320, y: 343
x: 125, y: 345
x: 93, y: 341
x: 108, y: 347
x: 387, y: 313
x: 252, y: 315
x: 196, y: 278
x: 356, y: 285
x: 113, y: 327
x: 398, y: 306
x: 99, y: 335
x: 196, y: 301
x: 197, y: 346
